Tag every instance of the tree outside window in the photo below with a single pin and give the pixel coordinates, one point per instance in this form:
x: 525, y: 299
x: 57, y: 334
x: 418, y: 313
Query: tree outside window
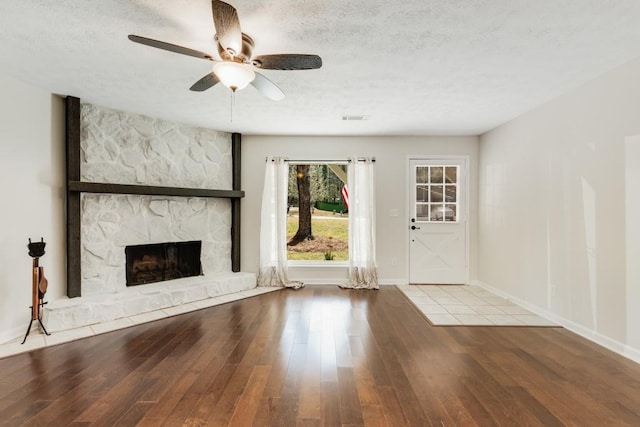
x: 317, y: 217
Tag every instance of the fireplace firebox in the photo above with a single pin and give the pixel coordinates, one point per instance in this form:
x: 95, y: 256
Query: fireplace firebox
x: 162, y: 261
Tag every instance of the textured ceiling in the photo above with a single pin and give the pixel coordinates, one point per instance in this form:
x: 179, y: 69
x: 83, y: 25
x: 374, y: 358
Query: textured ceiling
x: 413, y: 68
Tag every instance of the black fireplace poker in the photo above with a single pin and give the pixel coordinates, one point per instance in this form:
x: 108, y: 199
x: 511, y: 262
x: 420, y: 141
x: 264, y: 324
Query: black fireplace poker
x: 39, y: 285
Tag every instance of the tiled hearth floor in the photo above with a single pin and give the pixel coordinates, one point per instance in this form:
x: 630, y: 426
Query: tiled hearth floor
x: 449, y: 305
x: 37, y: 339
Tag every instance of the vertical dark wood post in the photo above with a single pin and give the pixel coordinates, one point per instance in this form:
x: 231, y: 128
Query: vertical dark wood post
x: 72, y: 122
x: 235, y: 203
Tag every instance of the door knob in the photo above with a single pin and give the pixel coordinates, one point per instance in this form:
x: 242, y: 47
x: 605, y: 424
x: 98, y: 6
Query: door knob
x: 413, y: 227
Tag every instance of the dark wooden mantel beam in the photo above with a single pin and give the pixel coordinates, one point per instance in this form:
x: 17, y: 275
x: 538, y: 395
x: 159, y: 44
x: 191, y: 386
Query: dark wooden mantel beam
x: 150, y: 190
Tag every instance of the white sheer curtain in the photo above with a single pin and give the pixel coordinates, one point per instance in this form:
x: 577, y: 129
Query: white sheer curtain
x: 363, y: 273
x: 273, y: 227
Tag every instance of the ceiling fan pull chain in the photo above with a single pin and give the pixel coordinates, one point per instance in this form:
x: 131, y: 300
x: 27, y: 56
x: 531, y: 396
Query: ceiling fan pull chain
x: 233, y: 101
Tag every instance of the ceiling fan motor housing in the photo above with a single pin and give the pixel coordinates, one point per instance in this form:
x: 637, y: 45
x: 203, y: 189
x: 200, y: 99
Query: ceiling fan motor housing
x: 230, y: 55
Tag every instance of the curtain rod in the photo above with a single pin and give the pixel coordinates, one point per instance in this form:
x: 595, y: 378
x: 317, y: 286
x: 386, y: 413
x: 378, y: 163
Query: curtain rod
x: 373, y: 159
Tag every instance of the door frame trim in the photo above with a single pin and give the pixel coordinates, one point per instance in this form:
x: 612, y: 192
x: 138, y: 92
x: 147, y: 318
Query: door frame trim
x: 408, y: 206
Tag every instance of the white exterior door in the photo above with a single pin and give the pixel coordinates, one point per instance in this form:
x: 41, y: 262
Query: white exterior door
x: 438, y: 222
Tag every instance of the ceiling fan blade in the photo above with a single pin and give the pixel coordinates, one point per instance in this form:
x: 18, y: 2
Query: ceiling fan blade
x: 228, y: 32
x: 205, y: 83
x: 170, y: 47
x: 267, y: 87
x: 287, y: 61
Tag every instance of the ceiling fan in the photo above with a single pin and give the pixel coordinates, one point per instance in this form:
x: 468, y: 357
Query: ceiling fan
x: 236, y: 67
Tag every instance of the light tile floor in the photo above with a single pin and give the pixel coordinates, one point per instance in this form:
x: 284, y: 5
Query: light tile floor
x: 449, y: 305
x: 37, y: 339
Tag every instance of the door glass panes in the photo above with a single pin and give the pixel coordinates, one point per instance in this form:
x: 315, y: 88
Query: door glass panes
x: 436, y: 174
x: 451, y: 175
x: 450, y: 193
x: 422, y: 175
x: 422, y: 193
x: 436, y: 193
x: 422, y: 212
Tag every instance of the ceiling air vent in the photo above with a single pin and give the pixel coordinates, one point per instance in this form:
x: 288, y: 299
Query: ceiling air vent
x: 352, y: 117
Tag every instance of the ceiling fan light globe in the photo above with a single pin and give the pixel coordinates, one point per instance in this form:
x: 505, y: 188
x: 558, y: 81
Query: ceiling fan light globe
x: 234, y: 75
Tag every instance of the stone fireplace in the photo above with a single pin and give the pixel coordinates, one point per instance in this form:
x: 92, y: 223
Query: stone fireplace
x: 112, y: 222
x: 130, y: 150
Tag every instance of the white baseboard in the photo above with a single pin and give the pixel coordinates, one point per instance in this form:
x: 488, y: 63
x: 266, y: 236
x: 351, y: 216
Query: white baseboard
x: 336, y: 282
x: 389, y: 282
x: 594, y: 336
x: 632, y: 353
x: 328, y: 282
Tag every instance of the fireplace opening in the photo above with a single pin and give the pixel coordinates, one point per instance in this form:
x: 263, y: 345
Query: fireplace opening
x: 162, y: 261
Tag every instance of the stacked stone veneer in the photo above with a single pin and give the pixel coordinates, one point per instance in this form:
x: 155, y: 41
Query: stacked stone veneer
x: 125, y: 148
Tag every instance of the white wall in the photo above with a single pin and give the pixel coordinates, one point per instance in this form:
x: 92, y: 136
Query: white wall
x: 32, y: 190
x: 554, y: 192
x: 391, y: 155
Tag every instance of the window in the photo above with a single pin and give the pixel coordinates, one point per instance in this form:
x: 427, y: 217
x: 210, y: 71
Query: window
x: 317, y: 212
x: 436, y: 193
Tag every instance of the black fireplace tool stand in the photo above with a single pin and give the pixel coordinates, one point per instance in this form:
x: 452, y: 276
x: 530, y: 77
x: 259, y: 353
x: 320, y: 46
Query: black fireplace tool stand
x: 38, y: 286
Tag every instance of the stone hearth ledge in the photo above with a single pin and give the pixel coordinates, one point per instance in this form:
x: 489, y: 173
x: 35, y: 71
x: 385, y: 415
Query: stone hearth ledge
x: 73, y: 313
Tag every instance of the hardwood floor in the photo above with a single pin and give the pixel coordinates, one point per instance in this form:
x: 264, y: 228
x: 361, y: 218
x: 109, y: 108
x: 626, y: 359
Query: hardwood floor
x: 320, y: 356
